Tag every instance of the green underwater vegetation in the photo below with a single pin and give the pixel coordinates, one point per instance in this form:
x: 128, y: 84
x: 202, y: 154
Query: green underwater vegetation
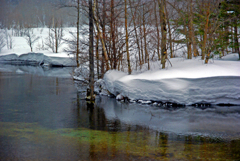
x: 89, y: 144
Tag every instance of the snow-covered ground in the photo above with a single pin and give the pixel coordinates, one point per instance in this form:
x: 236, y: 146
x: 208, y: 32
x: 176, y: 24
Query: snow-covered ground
x: 37, y: 59
x: 21, y: 52
x: 20, y: 45
x: 187, y: 82
x: 38, y: 70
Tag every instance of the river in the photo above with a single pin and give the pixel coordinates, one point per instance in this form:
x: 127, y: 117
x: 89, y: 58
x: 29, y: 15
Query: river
x: 44, y: 117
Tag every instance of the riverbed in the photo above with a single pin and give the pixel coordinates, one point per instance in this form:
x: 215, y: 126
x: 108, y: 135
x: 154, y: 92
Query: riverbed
x: 44, y: 117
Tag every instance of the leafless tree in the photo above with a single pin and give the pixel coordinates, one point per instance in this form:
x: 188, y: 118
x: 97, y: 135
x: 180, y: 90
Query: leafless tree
x: 91, y: 54
x: 2, y: 41
x: 8, y: 39
x: 31, y: 38
x: 55, y: 35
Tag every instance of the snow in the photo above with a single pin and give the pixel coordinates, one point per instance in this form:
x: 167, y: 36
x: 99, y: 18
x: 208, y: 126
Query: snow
x: 100, y: 87
x: 36, y: 59
x: 20, y: 45
x: 187, y: 82
x: 231, y: 57
x: 37, y: 70
x: 21, y: 52
x: 119, y: 97
x: 144, y: 102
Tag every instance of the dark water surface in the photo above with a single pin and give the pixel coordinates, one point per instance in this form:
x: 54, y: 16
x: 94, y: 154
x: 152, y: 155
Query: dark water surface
x: 44, y: 118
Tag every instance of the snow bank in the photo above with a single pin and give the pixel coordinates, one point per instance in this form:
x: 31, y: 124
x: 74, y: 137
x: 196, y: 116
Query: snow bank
x: 231, y: 57
x: 37, y: 70
x: 36, y: 59
x: 188, y: 82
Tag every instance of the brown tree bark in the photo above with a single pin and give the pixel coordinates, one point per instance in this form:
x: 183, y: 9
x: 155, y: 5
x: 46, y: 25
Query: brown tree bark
x: 145, y: 38
x: 56, y: 37
x: 169, y: 32
x: 127, y: 47
x: 97, y: 56
x: 236, y: 43
x: 112, y: 25
x: 136, y: 33
x: 157, y: 27
x: 78, y: 16
x: 190, y: 31
x: 193, y: 39
x: 205, y: 31
x: 103, y: 33
x: 141, y: 40
x: 102, y: 39
x: 161, y: 4
x: 91, y: 54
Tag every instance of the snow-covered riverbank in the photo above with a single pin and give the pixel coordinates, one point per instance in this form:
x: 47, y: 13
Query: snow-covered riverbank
x: 36, y: 59
x: 187, y: 82
x: 20, y: 52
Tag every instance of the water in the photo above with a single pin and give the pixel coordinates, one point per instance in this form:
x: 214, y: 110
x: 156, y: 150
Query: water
x: 43, y: 117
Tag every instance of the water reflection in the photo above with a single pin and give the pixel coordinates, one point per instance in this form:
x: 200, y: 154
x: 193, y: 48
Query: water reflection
x: 45, y: 118
x: 216, y: 121
x: 65, y: 72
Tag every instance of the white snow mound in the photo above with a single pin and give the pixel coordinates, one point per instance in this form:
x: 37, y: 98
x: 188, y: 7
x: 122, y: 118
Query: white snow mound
x: 187, y: 82
x: 36, y: 59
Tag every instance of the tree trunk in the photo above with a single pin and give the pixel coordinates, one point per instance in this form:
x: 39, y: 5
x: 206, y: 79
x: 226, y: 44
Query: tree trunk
x: 192, y: 36
x: 91, y: 55
x: 97, y: 55
x: 236, y: 43
x: 56, y: 38
x: 145, y: 39
x: 205, y: 32
x: 112, y: 24
x: 119, y: 61
x: 97, y: 45
x: 169, y: 33
x: 163, y: 32
x: 103, y: 33
x: 102, y: 40
x: 78, y: 16
x: 189, y: 49
x: 187, y: 32
x: 126, y: 29
x: 136, y: 34
x: 141, y: 42
x: 157, y: 27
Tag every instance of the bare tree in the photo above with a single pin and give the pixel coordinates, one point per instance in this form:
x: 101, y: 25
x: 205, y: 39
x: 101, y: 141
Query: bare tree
x: 102, y: 38
x: 127, y: 47
x: 9, y: 39
x: 162, y: 5
x: 54, y: 40
x: 91, y: 54
x: 2, y: 41
x: 78, y: 27
x: 31, y: 38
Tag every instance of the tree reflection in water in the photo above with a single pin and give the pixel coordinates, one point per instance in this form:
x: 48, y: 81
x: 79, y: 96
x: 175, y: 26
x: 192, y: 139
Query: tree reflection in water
x: 45, y: 118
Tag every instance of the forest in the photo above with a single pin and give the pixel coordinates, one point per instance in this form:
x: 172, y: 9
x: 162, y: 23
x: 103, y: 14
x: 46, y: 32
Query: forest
x: 130, y: 33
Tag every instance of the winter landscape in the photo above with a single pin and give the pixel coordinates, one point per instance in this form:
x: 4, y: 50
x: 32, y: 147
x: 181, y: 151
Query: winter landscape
x: 119, y: 80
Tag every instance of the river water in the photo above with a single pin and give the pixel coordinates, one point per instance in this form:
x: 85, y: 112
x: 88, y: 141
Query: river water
x: 44, y: 117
